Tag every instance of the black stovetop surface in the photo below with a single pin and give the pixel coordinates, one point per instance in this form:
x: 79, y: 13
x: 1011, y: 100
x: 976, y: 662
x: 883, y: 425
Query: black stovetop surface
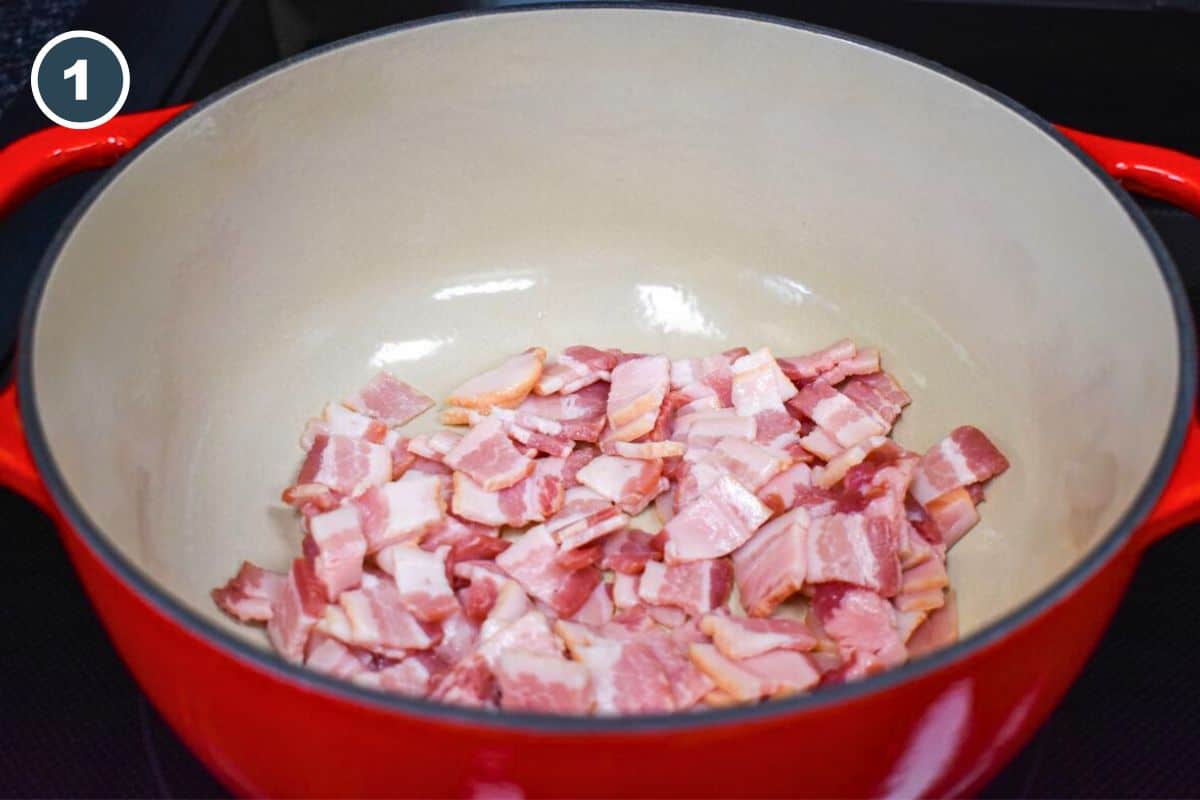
x: 73, y: 722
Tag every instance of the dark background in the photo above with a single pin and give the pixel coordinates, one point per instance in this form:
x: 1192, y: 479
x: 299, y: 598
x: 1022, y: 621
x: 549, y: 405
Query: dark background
x: 73, y: 723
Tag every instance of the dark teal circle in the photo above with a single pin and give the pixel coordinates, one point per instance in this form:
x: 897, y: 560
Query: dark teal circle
x: 104, y: 80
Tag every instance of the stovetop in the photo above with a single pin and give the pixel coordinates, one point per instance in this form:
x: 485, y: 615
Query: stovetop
x: 72, y: 721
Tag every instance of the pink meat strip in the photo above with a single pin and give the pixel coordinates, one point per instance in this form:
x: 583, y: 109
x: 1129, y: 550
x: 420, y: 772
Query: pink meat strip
x: 421, y: 578
x: 696, y: 587
x: 963, y: 458
x: 954, y: 514
x: 488, y: 457
x: 590, y: 528
x: 389, y: 400
x: 740, y: 638
x: 531, y: 562
x: 505, y: 386
x: 939, y: 630
x: 630, y: 483
x: 341, y: 421
x: 434, y: 446
x: 636, y: 396
x: 759, y: 385
x: 345, y: 465
x: 626, y: 675
x: 773, y: 565
x: 581, y: 414
x: 774, y: 674
x: 249, y: 595
x: 295, y: 610
x: 548, y: 684
x: 534, y: 499
x: 879, y: 395
x: 401, y: 510
x: 838, y: 415
x: 599, y: 609
x: 803, y: 369
x: 715, y: 524
x: 865, y: 362
x: 863, y: 624
x: 628, y: 551
x: 339, y: 546
x: 853, y: 548
x: 374, y: 617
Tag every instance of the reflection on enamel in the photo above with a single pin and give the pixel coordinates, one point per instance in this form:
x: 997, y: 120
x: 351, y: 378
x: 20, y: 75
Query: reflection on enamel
x: 411, y: 350
x: 669, y: 309
x: 955, y: 345
x: 933, y: 744
x: 485, y: 287
x: 786, y: 289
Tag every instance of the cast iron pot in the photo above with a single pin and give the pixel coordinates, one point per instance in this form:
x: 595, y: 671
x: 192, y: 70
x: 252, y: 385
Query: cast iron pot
x: 432, y: 197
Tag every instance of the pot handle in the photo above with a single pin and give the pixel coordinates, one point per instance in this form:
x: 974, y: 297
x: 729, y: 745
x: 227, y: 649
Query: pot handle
x: 1175, y: 177
x: 26, y: 166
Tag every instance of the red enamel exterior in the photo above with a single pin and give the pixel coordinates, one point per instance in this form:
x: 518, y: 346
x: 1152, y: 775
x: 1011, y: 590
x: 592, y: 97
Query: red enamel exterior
x: 943, y: 733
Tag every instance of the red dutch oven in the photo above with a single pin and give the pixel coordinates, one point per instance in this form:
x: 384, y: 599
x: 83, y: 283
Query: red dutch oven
x: 430, y: 197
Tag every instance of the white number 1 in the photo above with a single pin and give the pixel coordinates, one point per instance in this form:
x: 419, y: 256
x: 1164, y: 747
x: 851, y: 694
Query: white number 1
x: 78, y: 71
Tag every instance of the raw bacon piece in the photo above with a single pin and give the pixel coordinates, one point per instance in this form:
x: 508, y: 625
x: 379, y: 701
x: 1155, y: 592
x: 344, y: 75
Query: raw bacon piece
x: 374, y: 617
x: 636, y: 396
x: 295, y: 610
x: 775, y: 674
x: 434, y: 446
x: 964, y: 457
x: 807, y: 367
x: 453, y: 531
x: 346, y: 465
x: 793, y: 489
x: 772, y: 566
x: 864, y: 626
x: 532, y: 500
x: 695, y: 587
x: 397, y: 445
x: 939, y: 630
x: 402, y: 510
x: 579, y: 502
x: 645, y: 450
x: 837, y: 414
x: 716, y: 524
x: 739, y: 638
x: 579, y: 458
x: 758, y: 384
x: 688, y: 684
x: 339, y: 544
x: 832, y: 473
x: 510, y: 605
x: 581, y: 414
x: 505, y: 386
x: 531, y: 562
x: 630, y: 483
x: 954, y: 514
x: 488, y: 456
x: 339, y: 420
x: 629, y: 550
x: 865, y: 362
x: 249, y: 595
x: 922, y: 600
x: 704, y: 429
x: 878, y: 394
x: 532, y: 682
x: 820, y: 443
x: 853, y: 548
x: 626, y: 675
x: 460, y: 634
x: 751, y: 464
x: 421, y: 578
x: 624, y: 591
x: 389, y: 400
x: 598, y: 610
x: 586, y: 530
x: 411, y: 677
x: 930, y: 574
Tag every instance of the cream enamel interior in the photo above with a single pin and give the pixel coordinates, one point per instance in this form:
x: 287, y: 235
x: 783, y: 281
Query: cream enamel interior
x: 433, y: 199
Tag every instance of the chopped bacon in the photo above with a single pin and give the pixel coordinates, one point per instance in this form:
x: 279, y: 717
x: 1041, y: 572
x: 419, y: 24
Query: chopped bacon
x: 853, y: 548
x: 688, y: 684
x: 878, y: 394
x: 339, y: 545
x: 837, y: 414
x: 930, y: 574
x: 920, y: 600
x: 864, y: 626
x: 807, y: 367
x: 588, y: 529
x: 576, y: 368
x: 402, y: 510
x: 531, y: 562
x: 715, y: 524
x: 751, y: 464
x: 421, y: 578
x: 626, y: 675
x: 644, y: 450
x: 636, y: 396
x: 339, y: 420
x: 630, y: 483
x: 832, y: 473
x: 434, y: 446
x: 581, y: 414
x: 598, y: 610
x: 511, y: 604
x: 412, y: 677
x: 402, y: 460
x: 964, y: 457
x: 532, y: 682
x: 628, y: 551
x: 534, y: 499
x: 295, y: 610
x: 739, y: 637
x: 954, y: 514
x: 865, y: 362
x: 773, y: 565
x: 624, y: 590
x: 460, y: 634
x: 793, y: 489
x: 389, y: 400
x: 374, y: 617
x: 488, y: 457
x: 328, y: 655
x: 770, y: 675
x: 505, y: 386
x: 705, y: 428
x: 820, y: 443
x: 758, y: 384
x: 346, y: 465
x: 696, y: 587
x: 452, y: 530
x: 939, y: 630
x: 249, y: 595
